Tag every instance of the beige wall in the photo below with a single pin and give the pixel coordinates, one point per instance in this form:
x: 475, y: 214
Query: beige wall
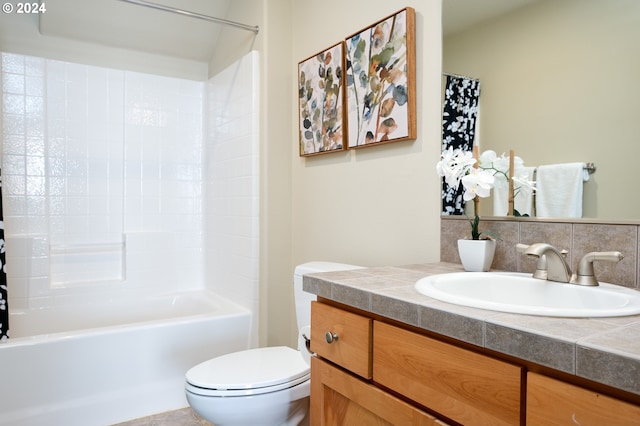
x: 378, y: 205
x: 557, y: 86
x: 375, y: 206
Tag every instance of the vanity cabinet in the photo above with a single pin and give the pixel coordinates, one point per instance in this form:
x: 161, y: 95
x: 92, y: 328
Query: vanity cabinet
x: 462, y: 385
x: 553, y: 402
x: 370, y: 372
x: 350, y: 341
x: 340, y: 398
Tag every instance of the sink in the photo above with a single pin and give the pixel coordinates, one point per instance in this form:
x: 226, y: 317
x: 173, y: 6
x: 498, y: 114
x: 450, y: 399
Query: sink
x: 522, y: 294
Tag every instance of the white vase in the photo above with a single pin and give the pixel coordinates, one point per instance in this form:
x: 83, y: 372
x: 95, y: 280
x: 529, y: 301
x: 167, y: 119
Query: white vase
x: 476, y: 255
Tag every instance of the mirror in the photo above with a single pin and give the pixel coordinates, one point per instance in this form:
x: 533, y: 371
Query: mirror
x: 558, y: 84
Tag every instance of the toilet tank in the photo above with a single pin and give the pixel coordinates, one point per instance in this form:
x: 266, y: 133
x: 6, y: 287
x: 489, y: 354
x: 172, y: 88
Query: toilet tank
x: 302, y: 298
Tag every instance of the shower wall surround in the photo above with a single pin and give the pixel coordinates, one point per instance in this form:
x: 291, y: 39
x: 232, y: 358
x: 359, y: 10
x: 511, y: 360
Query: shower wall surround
x: 109, y: 174
x: 231, y: 224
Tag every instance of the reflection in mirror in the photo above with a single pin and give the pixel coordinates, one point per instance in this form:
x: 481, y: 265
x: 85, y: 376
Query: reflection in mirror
x: 558, y: 85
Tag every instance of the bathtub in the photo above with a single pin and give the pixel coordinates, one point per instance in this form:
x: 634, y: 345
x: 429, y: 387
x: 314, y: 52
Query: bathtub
x: 104, y: 363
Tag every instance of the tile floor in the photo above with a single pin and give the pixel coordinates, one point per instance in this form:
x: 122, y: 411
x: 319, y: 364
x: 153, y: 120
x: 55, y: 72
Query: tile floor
x: 182, y: 417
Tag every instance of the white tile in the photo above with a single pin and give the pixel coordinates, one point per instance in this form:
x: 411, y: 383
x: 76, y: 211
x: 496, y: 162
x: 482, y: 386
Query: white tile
x: 14, y: 124
x: 14, y: 185
x: 12, y: 63
x: 34, y: 66
x: 13, y: 83
x: 13, y: 164
x: 37, y: 224
x: 35, y: 87
x: 13, y: 104
x: 14, y: 144
x: 106, y: 177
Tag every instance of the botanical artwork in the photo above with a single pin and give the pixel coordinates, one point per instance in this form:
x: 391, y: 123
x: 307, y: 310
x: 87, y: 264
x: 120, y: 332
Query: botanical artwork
x: 380, y: 80
x: 321, y: 102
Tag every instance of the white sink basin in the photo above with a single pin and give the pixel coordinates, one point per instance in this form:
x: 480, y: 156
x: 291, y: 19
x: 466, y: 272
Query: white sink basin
x: 522, y: 294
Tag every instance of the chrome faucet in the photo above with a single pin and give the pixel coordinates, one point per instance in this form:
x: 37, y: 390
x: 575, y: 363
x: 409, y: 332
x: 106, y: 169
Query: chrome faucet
x: 585, y: 275
x: 552, y: 264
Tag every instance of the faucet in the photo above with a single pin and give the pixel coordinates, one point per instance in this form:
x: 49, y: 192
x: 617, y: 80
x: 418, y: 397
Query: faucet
x: 552, y: 264
x: 585, y: 274
x: 541, y: 265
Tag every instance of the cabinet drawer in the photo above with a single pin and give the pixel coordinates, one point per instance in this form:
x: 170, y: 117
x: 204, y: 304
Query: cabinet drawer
x: 349, y: 342
x: 339, y: 398
x: 462, y: 385
x: 552, y: 402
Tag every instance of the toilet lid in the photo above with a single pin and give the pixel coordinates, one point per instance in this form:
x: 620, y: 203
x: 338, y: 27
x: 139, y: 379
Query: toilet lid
x: 249, y: 372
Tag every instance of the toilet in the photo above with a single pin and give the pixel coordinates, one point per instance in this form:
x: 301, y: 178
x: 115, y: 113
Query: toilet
x: 265, y: 386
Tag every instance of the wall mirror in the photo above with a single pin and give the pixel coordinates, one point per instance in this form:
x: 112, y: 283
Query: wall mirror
x: 558, y: 84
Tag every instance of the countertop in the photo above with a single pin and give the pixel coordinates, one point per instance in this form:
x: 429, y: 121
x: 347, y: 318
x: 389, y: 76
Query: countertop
x: 604, y: 350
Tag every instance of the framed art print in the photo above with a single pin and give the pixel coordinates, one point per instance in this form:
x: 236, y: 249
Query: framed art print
x: 380, y: 81
x: 322, y: 125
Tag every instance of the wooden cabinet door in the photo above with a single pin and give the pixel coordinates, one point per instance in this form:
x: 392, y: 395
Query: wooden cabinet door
x: 464, y: 386
x: 351, y: 346
x: 552, y: 402
x: 340, y: 398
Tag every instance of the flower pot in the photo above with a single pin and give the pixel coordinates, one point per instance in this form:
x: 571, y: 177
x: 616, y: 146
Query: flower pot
x: 476, y: 255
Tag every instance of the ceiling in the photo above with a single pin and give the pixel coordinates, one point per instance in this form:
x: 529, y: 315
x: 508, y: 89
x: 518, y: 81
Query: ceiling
x: 119, y: 24
x: 116, y: 23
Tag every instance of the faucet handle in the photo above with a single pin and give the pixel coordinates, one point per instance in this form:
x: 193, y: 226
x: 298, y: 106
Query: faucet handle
x: 585, y: 274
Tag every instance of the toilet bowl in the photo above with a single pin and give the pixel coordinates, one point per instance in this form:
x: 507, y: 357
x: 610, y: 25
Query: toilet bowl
x: 268, y: 386
x: 265, y: 386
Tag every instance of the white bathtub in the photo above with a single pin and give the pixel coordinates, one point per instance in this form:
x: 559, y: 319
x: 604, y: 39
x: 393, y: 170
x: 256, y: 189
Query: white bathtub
x: 103, y: 363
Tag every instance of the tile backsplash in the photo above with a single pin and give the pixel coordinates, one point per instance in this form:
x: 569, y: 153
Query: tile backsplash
x: 578, y: 237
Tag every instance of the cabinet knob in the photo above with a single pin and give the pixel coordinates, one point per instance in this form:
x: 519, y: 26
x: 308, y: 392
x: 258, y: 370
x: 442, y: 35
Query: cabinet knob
x: 330, y: 337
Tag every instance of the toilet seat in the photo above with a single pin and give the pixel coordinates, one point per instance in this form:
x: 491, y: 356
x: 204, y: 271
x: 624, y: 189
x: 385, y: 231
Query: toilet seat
x: 250, y: 372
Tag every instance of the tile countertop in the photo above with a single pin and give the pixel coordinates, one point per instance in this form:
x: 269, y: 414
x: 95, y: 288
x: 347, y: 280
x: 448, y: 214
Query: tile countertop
x: 604, y: 350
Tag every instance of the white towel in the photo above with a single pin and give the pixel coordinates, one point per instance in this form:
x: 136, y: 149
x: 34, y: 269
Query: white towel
x: 559, y: 189
x: 500, y: 196
x: 523, y: 202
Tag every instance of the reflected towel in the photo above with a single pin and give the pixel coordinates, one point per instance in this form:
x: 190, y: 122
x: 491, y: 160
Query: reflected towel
x: 559, y: 189
x: 523, y: 201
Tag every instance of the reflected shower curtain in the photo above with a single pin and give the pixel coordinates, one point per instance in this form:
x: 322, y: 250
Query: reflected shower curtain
x: 4, y: 304
x: 459, y: 115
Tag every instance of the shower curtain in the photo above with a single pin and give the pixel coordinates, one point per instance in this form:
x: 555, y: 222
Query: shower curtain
x: 4, y: 304
x: 459, y: 115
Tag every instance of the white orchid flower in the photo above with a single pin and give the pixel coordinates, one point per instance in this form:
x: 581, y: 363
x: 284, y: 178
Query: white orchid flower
x: 454, y: 164
x: 487, y: 158
x: 524, y: 184
x: 477, y: 183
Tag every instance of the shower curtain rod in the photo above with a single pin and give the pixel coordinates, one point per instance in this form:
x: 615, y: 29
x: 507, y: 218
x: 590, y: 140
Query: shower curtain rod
x: 460, y: 76
x: 254, y: 29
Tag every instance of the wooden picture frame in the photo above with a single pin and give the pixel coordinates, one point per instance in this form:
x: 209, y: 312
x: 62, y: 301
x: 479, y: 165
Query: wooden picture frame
x: 380, y: 73
x: 321, y: 102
